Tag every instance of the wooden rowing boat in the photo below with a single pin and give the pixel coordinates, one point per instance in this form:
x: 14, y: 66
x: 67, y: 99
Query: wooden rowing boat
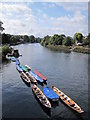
x: 36, y: 77
x: 68, y: 101
x: 31, y: 77
x: 41, y: 97
x: 28, y: 67
x: 40, y: 75
x: 25, y: 77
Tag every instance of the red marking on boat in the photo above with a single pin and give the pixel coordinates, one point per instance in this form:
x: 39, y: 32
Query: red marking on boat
x: 40, y: 75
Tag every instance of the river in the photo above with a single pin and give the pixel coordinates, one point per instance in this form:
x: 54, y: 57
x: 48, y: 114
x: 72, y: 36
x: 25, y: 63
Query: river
x: 67, y: 71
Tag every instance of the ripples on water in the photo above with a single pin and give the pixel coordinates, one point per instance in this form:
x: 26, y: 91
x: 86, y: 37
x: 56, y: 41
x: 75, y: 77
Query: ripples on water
x: 67, y: 71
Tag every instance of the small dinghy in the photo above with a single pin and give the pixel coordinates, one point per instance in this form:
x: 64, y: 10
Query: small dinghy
x: 13, y: 59
x: 17, y: 62
x: 36, y: 77
x: 25, y: 77
x: 41, y: 97
x: 28, y: 67
x: 50, y: 94
x: 40, y: 75
x: 31, y: 77
x: 68, y: 101
x: 24, y: 68
x: 19, y: 68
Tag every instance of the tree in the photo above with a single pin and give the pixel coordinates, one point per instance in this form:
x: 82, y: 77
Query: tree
x: 26, y: 38
x: 5, y: 38
x: 78, y: 37
x: 45, y: 41
x: 32, y: 39
x: 1, y: 28
x: 68, y: 41
x: 57, y: 39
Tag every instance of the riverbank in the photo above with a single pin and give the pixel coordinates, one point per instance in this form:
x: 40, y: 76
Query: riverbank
x: 59, y: 48
x: 80, y: 49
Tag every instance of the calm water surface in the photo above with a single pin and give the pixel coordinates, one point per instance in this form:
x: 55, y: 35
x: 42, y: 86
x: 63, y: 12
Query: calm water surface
x: 67, y: 71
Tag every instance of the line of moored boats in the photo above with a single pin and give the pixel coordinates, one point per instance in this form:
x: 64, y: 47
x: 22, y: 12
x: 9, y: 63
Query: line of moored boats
x: 48, y: 94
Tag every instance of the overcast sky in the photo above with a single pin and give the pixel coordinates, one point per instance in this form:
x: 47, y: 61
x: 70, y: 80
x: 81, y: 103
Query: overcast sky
x: 42, y: 18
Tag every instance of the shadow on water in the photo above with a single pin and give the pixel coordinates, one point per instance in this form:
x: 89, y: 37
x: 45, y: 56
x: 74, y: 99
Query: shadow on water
x: 45, y: 109
x: 42, y: 84
x: 54, y: 104
x: 28, y: 84
x: 78, y: 115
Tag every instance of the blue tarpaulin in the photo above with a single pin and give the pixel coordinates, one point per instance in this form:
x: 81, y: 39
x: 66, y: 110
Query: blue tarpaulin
x: 50, y: 93
x: 19, y: 68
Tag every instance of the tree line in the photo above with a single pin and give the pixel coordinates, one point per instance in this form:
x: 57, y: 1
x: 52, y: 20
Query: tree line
x: 13, y: 39
x: 66, y: 40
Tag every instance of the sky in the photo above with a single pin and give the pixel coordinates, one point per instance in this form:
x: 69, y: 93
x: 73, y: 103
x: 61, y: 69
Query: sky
x: 44, y: 18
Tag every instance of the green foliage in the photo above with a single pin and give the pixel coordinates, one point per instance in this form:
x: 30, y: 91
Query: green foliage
x: 67, y: 41
x: 26, y: 38
x: 56, y: 40
x: 45, y: 40
x: 78, y: 37
x: 86, y: 41
x: 32, y: 39
x: 5, y: 38
x: 5, y: 50
x: 14, y: 39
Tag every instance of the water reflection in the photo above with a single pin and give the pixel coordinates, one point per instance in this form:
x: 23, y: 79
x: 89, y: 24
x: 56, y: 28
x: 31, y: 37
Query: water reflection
x: 45, y: 109
x: 27, y: 84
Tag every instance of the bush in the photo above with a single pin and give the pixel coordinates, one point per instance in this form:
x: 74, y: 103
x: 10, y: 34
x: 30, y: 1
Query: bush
x: 5, y: 50
x: 68, y: 41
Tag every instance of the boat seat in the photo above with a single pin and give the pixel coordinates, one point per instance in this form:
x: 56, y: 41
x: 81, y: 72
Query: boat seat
x: 72, y: 105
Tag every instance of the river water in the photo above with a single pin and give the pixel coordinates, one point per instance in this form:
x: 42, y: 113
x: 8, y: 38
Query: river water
x: 67, y: 71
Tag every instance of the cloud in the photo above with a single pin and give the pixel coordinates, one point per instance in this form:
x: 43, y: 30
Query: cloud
x: 19, y: 18
x: 74, y: 6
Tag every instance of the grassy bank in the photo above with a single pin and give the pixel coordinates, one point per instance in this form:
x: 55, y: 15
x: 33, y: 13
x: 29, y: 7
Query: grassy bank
x: 69, y: 48
x: 81, y: 49
x: 59, y: 48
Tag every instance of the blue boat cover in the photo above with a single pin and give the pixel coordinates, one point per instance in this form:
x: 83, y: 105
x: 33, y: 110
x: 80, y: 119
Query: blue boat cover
x: 17, y: 62
x: 50, y: 93
x: 19, y: 68
x: 13, y: 59
x: 36, y: 77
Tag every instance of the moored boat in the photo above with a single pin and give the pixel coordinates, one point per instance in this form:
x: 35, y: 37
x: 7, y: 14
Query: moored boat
x: 24, y: 68
x: 25, y: 77
x: 17, y: 62
x: 8, y: 57
x: 19, y: 68
x: 13, y: 59
x: 67, y: 100
x: 50, y: 94
x: 36, y: 77
x: 40, y: 75
x: 31, y: 77
x: 41, y: 97
x: 28, y: 67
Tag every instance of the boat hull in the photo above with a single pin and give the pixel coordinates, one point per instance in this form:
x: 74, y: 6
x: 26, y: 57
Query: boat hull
x: 36, y: 77
x: 40, y: 75
x: 67, y: 100
x: 25, y: 77
x: 31, y: 77
x: 41, y: 97
x: 19, y: 68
